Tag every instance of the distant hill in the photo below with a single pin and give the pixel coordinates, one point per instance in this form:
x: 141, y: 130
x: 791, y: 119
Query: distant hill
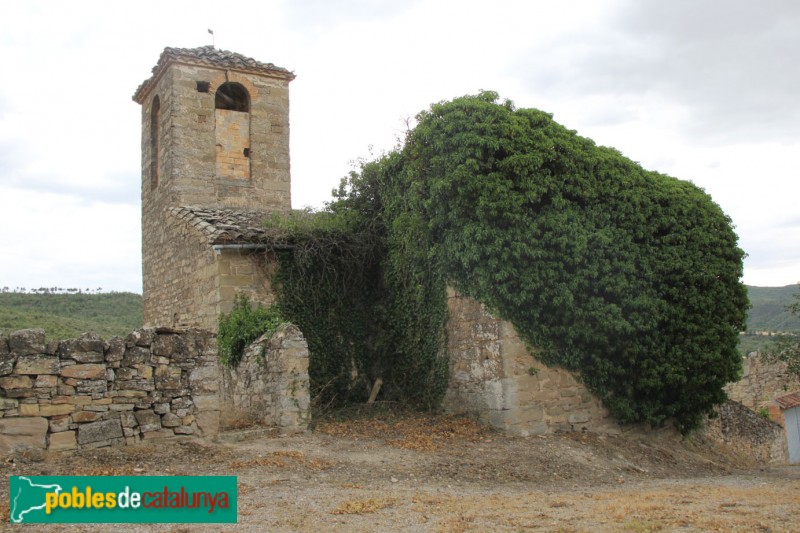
x: 118, y: 313
x: 65, y: 316
x: 769, y: 309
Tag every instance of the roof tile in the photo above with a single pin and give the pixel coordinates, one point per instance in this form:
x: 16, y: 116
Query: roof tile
x: 789, y: 401
x: 213, y: 57
x: 225, y: 225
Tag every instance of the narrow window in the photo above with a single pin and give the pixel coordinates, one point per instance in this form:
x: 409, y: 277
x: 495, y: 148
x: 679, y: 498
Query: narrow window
x: 155, y: 133
x: 232, y: 131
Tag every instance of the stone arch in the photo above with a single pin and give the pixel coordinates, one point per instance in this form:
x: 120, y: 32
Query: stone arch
x: 232, y: 96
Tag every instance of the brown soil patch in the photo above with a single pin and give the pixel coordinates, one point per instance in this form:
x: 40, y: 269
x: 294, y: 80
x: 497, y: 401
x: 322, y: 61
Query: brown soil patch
x: 437, y: 473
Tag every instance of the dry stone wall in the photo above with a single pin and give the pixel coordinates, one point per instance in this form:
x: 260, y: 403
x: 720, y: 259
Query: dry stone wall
x: 761, y: 383
x: 155, y: 383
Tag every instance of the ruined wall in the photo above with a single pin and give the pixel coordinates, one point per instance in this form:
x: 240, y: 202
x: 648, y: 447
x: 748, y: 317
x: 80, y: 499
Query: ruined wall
x: 761, y: 383
x: 155, y: 383
x: 494, y: 376
x: 271, y: 385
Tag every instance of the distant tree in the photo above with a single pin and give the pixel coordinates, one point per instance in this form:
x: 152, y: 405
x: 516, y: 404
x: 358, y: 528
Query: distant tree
x: 787, y: 348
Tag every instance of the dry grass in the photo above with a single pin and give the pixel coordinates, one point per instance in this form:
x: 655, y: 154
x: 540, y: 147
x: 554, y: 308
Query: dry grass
x: 416, y: 432
x: 282, y: 459
x: 370, y: 505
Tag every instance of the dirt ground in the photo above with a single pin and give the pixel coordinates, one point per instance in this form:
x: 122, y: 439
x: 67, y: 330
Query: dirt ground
x: 437, y: 473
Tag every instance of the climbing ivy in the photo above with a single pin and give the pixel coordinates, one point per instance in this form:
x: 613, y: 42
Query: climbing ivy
x: 369, y: 308
x: 628, y: 276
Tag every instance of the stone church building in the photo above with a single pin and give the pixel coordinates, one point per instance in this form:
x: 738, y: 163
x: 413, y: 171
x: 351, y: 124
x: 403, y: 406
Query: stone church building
x: 215, y: 165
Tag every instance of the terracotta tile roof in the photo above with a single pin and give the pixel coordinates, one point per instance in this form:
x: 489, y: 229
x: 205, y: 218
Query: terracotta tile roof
x: 212, y: 57
x: 225, y: 225
x: 789, y: 401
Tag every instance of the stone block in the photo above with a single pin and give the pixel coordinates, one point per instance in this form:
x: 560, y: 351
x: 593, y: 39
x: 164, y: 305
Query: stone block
x: 82, y: 417
x: 168, y: 384
x: 171, y: 346
x: 140, y: 337
x: 47, y: 381
x: 122, y: 406
x: 144, y: 371
x: 148, y: 420
x: 59, y: 423
x: 63, y: 441
x: 128, y: 394
x: 99, y: 431
x: 7, y: 362
x: 52, y: 410
x: 126, y: 373
x: 90, y: 386
x: 37, y: 364
x: 182, y: 403
x: 85, y: 371
x: 170, y: 420
x: 8, y: 403
x: 135, y: 384
x: 28, y: 431
x: 29, y: 409
x: 115, y: 350
x: 183, y: 430
x: 135, y: 355
x: 161, y: 408
x: 208, y: 422
x: 27, y: 342
x: 65, y: 390
x: 16, y: 382
x: 21, y: 393
x: 127, y: 419
x: 85, y: 349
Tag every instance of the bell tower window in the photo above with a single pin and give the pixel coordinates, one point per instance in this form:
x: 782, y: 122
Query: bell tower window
x: 232, y: 131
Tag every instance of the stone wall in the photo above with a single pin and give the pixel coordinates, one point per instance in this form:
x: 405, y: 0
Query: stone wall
x: 761, y: 383
x: 753, y: 437
x: 155, y: 383
x: 494, y: 376
x: 270, y: 385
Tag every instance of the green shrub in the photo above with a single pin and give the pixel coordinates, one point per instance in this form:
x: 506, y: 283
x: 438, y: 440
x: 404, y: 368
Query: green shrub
x: 242, y: 326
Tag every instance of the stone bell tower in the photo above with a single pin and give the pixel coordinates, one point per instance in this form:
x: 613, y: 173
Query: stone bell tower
x: 215, y: 135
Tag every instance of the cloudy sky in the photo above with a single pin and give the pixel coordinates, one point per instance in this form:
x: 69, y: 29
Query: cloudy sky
x: 705, y: 91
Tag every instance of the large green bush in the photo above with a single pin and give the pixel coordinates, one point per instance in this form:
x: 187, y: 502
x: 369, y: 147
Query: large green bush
x: 630, y: 277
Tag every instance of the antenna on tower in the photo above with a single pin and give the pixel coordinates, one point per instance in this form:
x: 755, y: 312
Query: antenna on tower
x: 213, y: 42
